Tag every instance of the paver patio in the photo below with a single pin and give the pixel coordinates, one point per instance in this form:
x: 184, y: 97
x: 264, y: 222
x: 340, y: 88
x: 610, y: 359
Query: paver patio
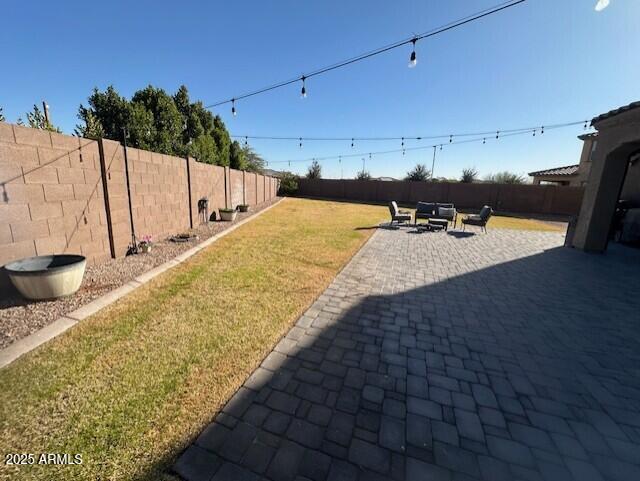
x: 440, y: 356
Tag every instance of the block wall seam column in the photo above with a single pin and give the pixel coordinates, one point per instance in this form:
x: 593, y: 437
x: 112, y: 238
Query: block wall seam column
x: 105, y: 190
x: 189, y: 192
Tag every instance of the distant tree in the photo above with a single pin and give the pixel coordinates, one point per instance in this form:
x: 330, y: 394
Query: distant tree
x: 419, y: 173
x: 37, y: 120
x: 314, y: 171
x: 505, y: 177
x: 1, y: 115
x: 237, y: 158
x: 254, y: 162
x: 469, y: 175
x: 92, y: 128
x: 363, y: 175
x: 288, y: 184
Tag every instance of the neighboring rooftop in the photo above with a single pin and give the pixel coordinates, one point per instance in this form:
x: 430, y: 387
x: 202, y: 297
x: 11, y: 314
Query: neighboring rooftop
x: 613, y: 113
x: 567, y: 170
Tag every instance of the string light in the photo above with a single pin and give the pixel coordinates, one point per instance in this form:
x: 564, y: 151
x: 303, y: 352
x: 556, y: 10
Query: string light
x: 497, y: 134
x: 233, y: 107
x: 534, y: 132
x: 413, y: 61
x: 300, y: 142
x: 503, y: 133
x: 352, y: 142
x: 542, y: 130
x: 450, y: 138
x: 303, y: 92
x: 585, y: 125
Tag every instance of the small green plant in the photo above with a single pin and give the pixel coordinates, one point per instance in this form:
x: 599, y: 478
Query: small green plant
x: 37, y: 120
x: 288, y: 184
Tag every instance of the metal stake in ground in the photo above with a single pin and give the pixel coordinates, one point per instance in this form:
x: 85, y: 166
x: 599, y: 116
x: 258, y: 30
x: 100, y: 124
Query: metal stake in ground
x: 133, y: 248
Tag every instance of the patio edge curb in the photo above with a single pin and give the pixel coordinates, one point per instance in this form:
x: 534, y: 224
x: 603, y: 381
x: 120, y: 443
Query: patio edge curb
x: 63, y: 323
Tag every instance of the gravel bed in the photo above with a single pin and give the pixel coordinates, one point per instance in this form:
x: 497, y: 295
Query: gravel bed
x: 19, y: 318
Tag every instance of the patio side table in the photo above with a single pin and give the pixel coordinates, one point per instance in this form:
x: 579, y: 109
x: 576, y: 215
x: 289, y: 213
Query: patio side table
x: 442, y: 223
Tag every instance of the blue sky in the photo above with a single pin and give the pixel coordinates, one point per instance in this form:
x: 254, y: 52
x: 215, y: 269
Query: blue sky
x: 545, y: 61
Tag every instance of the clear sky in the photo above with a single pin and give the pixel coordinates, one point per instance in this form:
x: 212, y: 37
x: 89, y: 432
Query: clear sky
x: 543, y: 62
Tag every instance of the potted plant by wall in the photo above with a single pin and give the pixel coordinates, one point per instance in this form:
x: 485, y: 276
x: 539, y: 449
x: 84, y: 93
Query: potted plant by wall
x: 227, y: 214
x: 243, y: 207
x: 145, y: 244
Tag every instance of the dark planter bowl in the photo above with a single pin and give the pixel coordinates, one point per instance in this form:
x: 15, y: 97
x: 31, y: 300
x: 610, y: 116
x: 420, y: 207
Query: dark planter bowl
x: 47, y: 277
x: 243, y: 208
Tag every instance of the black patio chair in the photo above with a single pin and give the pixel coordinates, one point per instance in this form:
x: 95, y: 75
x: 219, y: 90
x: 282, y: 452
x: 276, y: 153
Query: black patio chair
x: 479, y: 220
x: 397, y: 215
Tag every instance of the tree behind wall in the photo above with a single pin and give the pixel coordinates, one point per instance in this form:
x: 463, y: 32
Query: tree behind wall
x: 419, y: 173
x: 37, y: 120
x: 158, y: 122
x: 314, y: 171
x: 505, y: 177
x: 469, y: 175
x: 363, y: 175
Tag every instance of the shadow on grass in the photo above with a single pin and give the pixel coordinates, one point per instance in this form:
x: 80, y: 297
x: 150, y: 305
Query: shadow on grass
x: 364, y: 385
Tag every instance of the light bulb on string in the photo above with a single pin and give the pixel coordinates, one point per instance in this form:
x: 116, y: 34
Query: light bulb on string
x: 542, y: 130
x: 440, y: 146
x: 413, y: 61
x: 352, y: 142
x: 484, y: 141
x: 233, y: 107
x: 534, y: 132
x: 497, y: 134
x: 303, y: 91
x: 450, y: 138
x: 246, y: 140
x: 585, y: 124
x: 300, y: 142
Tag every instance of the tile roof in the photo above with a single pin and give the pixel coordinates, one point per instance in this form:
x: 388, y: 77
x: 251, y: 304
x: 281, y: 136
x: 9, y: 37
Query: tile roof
x: 567, y: 170
x: 613, y: 113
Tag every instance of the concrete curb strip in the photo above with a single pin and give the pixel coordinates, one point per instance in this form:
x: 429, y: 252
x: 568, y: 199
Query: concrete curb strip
x: 57, y: 327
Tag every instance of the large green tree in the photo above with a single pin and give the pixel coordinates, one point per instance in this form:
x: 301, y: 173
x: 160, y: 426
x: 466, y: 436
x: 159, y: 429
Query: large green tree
x: 163, y: 123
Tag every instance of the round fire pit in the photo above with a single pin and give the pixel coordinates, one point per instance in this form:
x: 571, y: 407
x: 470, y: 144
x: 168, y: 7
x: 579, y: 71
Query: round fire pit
x: 47, y: 277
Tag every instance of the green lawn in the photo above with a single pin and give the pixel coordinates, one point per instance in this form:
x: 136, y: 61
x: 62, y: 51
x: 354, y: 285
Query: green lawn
x: 130, y: 387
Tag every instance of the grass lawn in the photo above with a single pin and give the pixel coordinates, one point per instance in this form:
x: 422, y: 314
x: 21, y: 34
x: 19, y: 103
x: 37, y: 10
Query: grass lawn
x: 130, y: 387
x: 518, y: 223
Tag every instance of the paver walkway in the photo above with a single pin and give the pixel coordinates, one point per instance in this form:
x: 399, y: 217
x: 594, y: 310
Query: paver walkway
x: 440, y: 357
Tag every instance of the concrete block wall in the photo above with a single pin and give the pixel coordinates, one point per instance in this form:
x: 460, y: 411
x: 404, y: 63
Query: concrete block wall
x: 236, y: 188
x: 52, y: 194
x: 159, y: 193
x: 207, y: 181
x: 532, y: 199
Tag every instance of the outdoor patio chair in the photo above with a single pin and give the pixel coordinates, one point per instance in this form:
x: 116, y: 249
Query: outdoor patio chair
x: 479, y: 220
x: 397, y: 215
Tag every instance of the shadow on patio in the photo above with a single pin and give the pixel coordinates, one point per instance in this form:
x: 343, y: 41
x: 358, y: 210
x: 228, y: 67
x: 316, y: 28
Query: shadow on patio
x: 459, y: 362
